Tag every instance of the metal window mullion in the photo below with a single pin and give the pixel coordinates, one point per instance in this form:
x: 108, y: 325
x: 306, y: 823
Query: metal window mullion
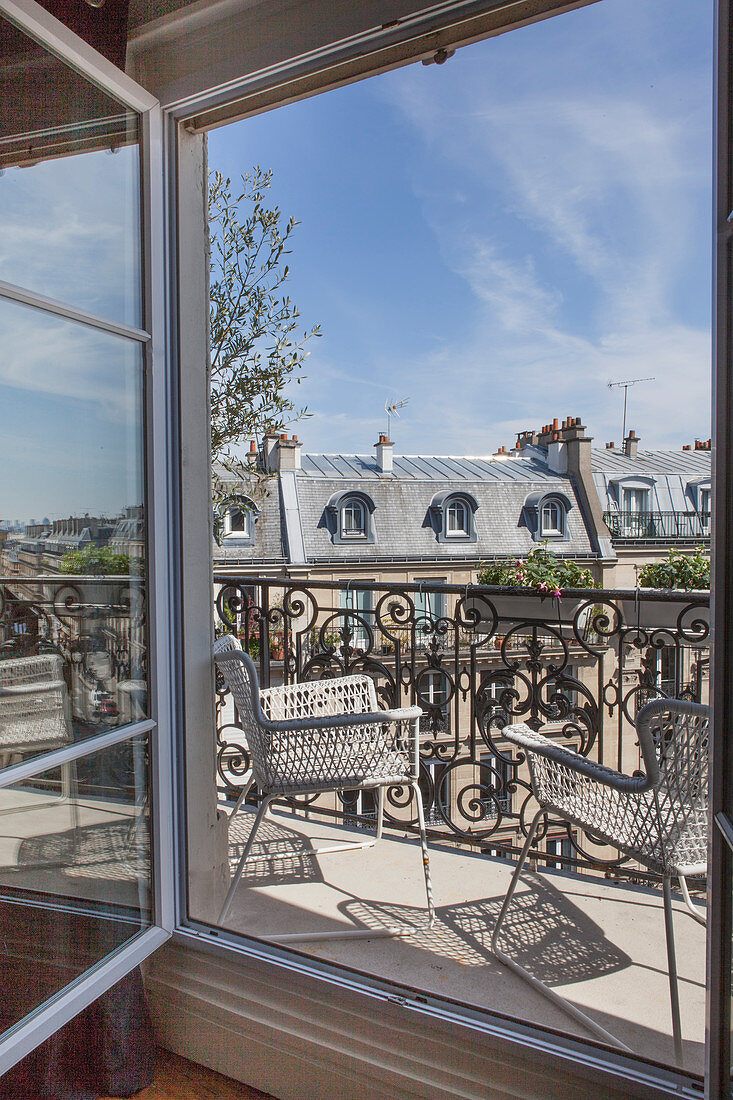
x: 70, y: 313
x: 162, y: 596
x: 44, y: 762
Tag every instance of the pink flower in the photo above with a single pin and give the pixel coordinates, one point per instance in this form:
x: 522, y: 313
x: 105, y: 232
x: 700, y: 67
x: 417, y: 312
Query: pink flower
x: 557, y: 592
x: 542, y: 586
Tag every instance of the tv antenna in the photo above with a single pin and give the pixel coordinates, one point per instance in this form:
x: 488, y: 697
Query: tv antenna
x: 393, y: 409
x: 629, y: 382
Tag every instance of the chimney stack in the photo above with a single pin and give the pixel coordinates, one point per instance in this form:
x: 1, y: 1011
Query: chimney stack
x: 631, y: 444
x: 269, y: 452
x: 610, y: 446
x: 384, y: 455
x: 703, y: 444
x: 288, y: 453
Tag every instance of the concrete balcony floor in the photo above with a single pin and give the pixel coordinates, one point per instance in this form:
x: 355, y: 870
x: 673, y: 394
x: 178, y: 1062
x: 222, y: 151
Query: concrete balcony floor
x: 600, y: 945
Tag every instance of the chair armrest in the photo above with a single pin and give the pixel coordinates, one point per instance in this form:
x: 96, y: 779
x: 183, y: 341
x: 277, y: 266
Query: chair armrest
x: 33, y: 689
x: 341, y: 721
x: 532, y: 742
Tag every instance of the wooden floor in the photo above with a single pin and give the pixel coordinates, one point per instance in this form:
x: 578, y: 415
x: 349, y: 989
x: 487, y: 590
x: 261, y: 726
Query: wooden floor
x: 178, y: 1079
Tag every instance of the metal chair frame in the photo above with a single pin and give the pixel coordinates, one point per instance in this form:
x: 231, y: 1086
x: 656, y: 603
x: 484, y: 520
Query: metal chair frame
x: 319, y: 737
x: 659, y: 818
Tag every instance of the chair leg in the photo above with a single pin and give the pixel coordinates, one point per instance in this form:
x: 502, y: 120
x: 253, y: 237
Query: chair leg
x: 249, y: 784
x: 674, y: 994
x: 424, y: 851
x: 243, y: 858
x: 699, y: 917
x: 380, y: 811
x: 545, y: 990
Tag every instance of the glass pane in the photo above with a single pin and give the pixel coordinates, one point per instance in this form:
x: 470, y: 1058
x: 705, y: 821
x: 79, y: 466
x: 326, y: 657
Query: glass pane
x: 74, y: 872
x: 72, y: 552
x: 70, y: 186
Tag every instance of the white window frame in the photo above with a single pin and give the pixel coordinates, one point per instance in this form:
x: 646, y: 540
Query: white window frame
x: 351, y: 506
x: 234, y: 532
x: 552, y: 519
x: 457, y: 529
x: 39, y: 1025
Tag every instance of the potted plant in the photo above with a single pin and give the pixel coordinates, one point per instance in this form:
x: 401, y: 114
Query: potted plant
x: 678, y: 572
x: 542, y: 575
x: 277, y: 646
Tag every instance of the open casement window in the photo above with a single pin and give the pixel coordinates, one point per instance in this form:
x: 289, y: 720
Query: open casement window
x: 83, y: 717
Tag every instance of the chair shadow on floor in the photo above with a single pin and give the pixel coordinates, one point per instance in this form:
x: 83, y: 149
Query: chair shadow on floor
x: 105, y: 850
x: 544, y: 932
x: 280, y: 855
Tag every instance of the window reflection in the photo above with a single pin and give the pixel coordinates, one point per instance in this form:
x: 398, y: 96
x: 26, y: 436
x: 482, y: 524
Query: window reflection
x: 74, y: 871
x: 72, y: 521
x: 69, y: 185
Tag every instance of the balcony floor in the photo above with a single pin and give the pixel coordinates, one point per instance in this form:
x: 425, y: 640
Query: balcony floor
x: 600, y: 945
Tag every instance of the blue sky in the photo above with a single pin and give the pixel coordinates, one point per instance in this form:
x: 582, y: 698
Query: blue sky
x: 499, y: 237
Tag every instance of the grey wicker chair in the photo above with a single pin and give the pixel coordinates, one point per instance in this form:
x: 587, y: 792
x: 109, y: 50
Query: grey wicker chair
x: 35, y: 715
x: 659, y: 818
x: 317, y: 737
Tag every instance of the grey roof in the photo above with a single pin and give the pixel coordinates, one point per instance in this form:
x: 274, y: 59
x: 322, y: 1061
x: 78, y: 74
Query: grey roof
x: 268, y: 530
x: 401, y: 515
x: 674, y: 475
x: 433, y: 468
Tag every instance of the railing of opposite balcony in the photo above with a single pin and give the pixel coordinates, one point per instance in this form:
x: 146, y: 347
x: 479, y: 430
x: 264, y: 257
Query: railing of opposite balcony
x: 658, y: 525
x: 474, y: 659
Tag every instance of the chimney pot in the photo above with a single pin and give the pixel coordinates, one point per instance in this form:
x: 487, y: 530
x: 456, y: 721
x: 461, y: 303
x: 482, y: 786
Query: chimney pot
x: 252, y: 447
x: 555, y: 424
x: 609, y: 446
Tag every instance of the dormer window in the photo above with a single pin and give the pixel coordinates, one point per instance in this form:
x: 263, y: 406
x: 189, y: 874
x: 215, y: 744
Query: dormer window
x: 239, y: 521
x: 451, y: 516
x: 546, y: 514
x: 350, y: 517
x: 353, y: 519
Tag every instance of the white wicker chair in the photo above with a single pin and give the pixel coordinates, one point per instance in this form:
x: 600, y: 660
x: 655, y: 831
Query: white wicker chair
x: 659, y: 819
x: 317, y: 737
x: 35, y: 714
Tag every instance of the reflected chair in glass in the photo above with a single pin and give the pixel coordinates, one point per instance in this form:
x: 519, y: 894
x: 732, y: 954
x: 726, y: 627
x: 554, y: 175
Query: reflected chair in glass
x: 319, y: 737
x: 659, y: 819
x: 35, y: 716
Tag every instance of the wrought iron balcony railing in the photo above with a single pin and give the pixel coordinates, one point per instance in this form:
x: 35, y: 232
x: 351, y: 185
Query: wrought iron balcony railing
x: 658, y: 525
x: 474, y: 659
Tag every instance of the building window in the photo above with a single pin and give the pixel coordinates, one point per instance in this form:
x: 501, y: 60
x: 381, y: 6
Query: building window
x: 546, y: 513
x: 239, y: 521
x: 359, y: 602
x: 353, y: 520
x: 561, y: 847
x: 349, y: 517
x: 435, y: 793
x: 552, y: 522
x: 432, y: 694
x: 704, y: 509
x: 635, y: 517
x: 494, y: 775
x: 429, y: 608
x: 452, y: 516
x: 456, y: 520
